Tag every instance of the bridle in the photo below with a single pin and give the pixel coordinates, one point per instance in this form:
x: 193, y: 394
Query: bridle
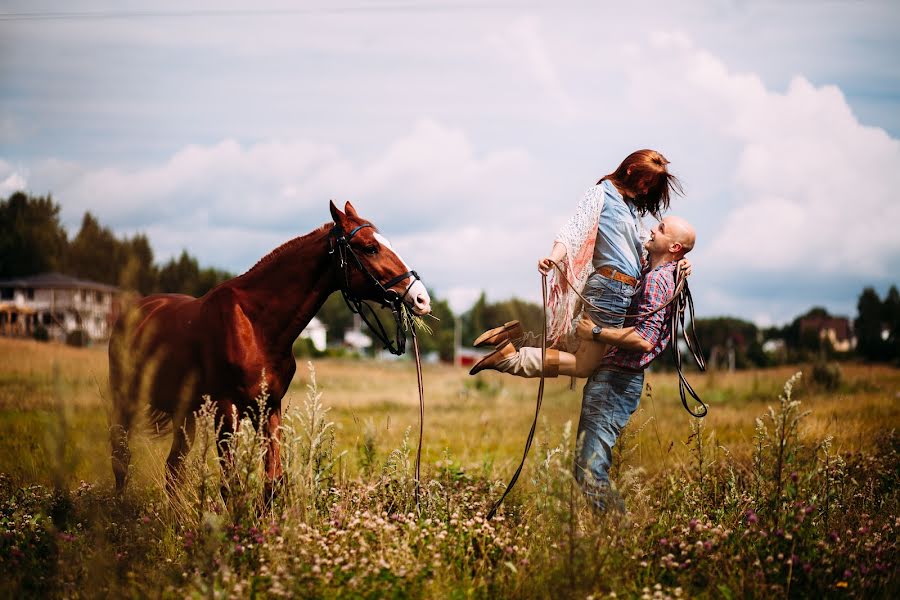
x: 341, y: 249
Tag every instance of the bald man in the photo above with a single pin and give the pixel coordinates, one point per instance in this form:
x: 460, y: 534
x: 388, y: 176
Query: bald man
x: 612, y: 393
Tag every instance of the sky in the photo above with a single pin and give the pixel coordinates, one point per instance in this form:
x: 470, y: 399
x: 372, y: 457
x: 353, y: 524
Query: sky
x: 468, y: 131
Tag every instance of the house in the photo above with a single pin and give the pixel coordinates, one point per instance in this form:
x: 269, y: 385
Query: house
x: 315, y: 332
x: 836, y: 330
x: 60, y: 303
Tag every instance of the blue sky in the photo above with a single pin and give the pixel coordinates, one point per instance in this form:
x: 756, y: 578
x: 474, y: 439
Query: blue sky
x: 467, y: 131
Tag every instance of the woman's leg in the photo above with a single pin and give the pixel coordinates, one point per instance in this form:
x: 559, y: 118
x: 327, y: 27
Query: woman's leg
x: 585, y: 361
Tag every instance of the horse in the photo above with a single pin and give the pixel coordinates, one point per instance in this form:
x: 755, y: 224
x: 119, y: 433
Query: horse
x: 168, y: 351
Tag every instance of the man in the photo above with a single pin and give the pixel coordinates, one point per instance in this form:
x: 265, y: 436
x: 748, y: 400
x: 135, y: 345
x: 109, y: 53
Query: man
x: 611, y: 395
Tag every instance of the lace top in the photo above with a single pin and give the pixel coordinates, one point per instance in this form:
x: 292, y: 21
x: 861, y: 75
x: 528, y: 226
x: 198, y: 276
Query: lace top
x: 579, y: 237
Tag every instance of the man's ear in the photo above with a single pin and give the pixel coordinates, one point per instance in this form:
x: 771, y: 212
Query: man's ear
x: 338, y: 217
x: 675, y: 247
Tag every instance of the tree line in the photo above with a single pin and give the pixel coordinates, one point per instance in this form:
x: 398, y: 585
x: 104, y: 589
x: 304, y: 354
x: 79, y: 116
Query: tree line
x: 33, y: 240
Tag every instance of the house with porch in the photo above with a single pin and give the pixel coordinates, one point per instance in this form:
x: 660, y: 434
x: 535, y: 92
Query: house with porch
x: 60, y: 303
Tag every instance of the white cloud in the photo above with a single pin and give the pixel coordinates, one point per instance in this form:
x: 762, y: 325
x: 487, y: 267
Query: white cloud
x: 522, y: 45
x: 808, y: 191
x: 229, y: 204
x: 11, y: 180
x: 467, y: 133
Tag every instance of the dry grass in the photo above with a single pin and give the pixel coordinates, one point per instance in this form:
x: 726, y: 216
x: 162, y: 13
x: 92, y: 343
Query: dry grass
x: 707, y: 516
x: 477, y: 420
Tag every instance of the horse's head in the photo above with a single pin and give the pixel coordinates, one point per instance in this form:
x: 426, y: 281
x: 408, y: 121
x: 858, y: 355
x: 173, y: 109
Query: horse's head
x: 377, y: 268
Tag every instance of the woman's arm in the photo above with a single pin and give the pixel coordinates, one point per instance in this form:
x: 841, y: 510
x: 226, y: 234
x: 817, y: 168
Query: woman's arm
x: 556, y: 255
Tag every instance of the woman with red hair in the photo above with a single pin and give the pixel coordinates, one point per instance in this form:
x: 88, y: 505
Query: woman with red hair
x: 600, y: 251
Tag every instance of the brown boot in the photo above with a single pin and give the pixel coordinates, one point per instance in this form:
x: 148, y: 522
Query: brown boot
x: 526, y: 362
x: 498, y: 335
x: 493, y: 361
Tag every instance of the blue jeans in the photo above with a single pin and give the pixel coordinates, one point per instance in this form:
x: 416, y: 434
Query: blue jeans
x: 610, y: 398
x: 610, y: 295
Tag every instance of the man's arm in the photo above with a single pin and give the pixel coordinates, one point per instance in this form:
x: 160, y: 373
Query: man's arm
x: 626, y: 337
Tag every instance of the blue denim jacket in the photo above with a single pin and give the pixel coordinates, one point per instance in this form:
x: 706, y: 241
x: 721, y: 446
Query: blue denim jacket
x: 619, y: 235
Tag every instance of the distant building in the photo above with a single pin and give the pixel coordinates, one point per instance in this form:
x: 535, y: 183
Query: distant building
x: 60, y: 303
x: 836, y: 330
x: 316, y: 332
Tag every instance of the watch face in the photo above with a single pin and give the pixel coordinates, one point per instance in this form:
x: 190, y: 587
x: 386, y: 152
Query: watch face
x: 596, y: 329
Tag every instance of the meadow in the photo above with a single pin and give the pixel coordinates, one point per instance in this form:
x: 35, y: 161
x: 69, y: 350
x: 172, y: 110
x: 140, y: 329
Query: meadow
x: 789, y: 487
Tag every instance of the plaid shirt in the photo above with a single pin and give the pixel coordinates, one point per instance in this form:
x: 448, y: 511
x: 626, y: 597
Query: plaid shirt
x: 658, y: 287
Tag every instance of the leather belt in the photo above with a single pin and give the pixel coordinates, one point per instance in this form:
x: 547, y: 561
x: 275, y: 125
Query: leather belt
x: 619, y: 369
x: 611, y: 273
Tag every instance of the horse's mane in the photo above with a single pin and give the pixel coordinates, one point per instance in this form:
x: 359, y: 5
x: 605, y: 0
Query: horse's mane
x: 287, y: 247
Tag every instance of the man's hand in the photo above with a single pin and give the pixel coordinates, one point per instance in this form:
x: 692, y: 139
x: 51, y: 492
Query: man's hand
x: 685, y: 266
x: 584, y: 330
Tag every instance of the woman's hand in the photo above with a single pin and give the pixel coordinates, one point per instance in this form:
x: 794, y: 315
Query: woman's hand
x: 557, y: 253
x: 545, y: 265
x: 685, y: 266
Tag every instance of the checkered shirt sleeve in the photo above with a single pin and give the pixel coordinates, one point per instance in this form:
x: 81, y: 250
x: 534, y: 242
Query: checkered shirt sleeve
x: 659, y: 285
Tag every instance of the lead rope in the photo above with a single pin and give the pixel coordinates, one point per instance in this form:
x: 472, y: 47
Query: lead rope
x: 415, y: 340
x: 683, y: 299
x: 537, y: 407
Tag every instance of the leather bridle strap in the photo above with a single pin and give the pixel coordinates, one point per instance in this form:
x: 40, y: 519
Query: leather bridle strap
x: 395, y: 303
x: 684, y: 300
x: 391, y: 299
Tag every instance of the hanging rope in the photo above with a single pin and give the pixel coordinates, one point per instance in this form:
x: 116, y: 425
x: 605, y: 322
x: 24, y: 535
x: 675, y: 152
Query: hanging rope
x: 415, y: 340
x: 537, y: 408
x: 683, y: 302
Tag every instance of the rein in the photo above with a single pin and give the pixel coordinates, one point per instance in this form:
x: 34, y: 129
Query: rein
x: 341, y: 247
x: 683, y: 301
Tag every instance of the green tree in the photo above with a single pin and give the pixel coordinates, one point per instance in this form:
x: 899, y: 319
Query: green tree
x: 442, y: 326
x: 179, y: 276
x: 32, y: 239
x: 891, y: 318
x: 869, y: 325
x: 138, y: 271
x: 95, y: 253
x: 336, y: 317
x: 208, y: 278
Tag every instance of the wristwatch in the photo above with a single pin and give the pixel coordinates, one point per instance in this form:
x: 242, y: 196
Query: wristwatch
x: 596, y: 331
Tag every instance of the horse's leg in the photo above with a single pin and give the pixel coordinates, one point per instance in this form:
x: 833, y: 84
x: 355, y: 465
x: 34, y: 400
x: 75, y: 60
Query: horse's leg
x: 274, y: 471
x: 182, y: 437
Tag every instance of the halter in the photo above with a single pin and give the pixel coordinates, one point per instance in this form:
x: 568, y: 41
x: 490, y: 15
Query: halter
x: 340, y: 248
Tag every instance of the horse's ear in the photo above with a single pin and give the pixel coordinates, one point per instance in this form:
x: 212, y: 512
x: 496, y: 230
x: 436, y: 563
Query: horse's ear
x: 351, y: 212
x: 337, y: 215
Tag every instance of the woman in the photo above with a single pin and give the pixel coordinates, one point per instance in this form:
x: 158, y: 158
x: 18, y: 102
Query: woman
x: 601, y: 251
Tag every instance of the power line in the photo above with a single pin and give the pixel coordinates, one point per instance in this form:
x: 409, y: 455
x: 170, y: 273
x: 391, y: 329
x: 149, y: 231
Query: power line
x: 223, y: 13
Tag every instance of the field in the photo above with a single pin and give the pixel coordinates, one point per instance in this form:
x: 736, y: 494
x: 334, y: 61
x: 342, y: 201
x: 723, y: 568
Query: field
x: 789, y: 491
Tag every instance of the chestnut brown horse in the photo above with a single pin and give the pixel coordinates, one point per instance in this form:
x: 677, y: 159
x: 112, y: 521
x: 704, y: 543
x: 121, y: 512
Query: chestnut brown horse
x: 170, y: 350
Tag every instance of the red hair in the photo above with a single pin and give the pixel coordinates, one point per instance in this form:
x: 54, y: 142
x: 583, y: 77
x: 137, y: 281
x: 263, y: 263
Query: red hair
x: 636, y: 168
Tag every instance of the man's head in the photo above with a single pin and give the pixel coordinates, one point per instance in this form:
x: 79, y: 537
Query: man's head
x: 672, y: 238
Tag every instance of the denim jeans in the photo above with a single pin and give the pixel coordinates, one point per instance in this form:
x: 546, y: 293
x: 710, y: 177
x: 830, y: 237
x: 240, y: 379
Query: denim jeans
x: 610, y: 398
x: 610, y: 295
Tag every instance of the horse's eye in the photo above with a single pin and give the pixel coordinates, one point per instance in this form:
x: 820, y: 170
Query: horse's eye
x: 371, y: 250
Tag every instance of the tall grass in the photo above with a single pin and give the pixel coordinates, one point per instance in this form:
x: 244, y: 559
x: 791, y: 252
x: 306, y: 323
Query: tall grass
x: 792, y: 517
